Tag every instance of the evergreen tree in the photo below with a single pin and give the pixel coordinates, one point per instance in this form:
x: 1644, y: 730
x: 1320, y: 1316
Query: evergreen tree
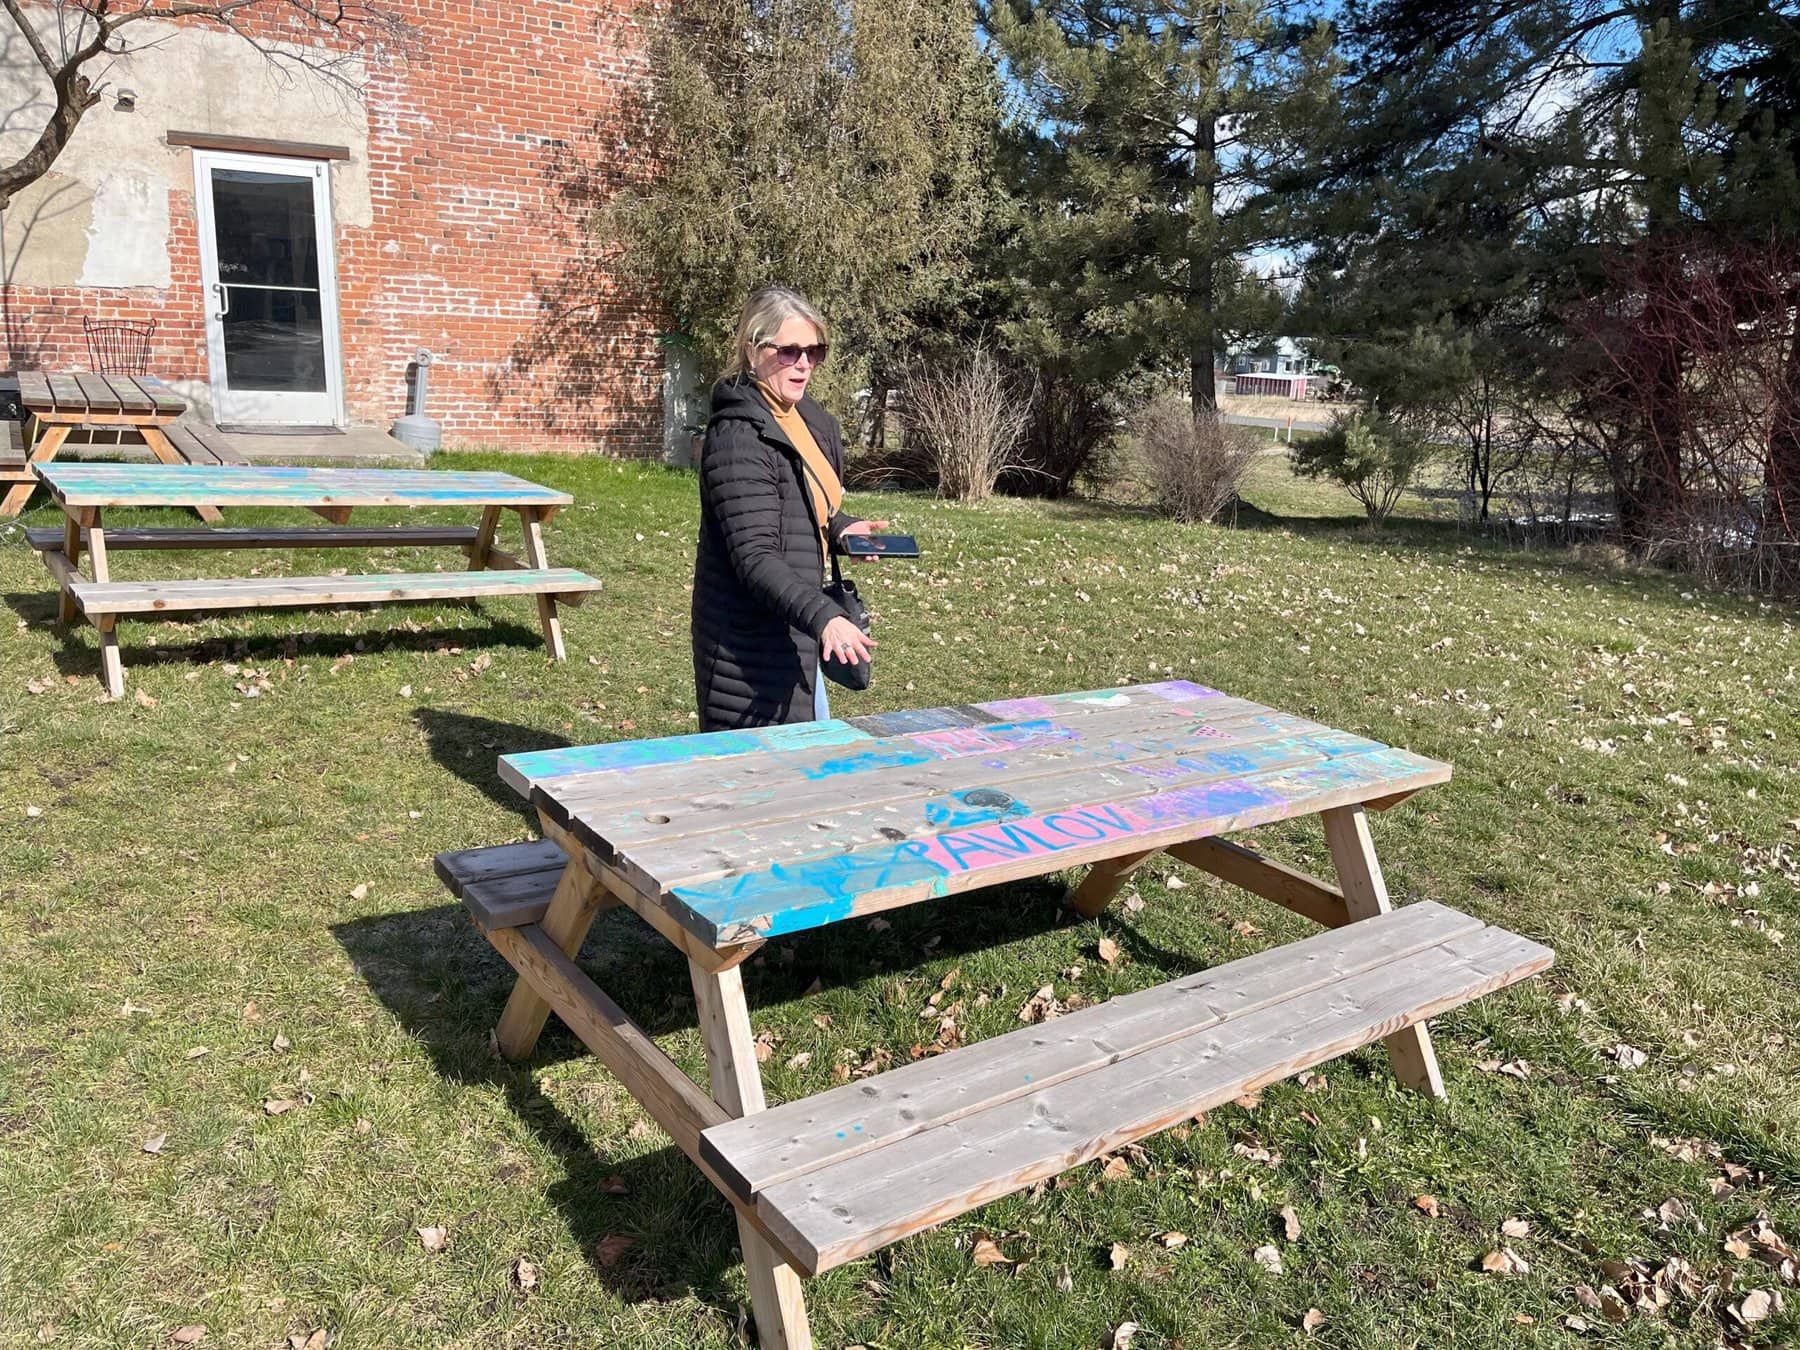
x: 843, y: 147
x: 1150, y: 140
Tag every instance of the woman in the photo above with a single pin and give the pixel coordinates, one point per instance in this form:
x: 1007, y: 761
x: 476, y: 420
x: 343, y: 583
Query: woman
x: 771, y: 512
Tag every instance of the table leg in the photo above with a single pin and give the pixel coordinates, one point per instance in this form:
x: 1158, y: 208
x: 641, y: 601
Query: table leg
x: 578, y: 898
x: 1365, y: 895
x: 167, y: 453
x: 775, y: 1295
x: 112, y: 670
x: 1103, y: 881
x: 484, y: 538
x: 534, y: 557
x: 43, y: 449
x: 65, y: 605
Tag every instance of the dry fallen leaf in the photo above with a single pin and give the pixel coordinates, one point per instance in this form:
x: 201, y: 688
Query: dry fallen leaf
x: 986, y: 1253
x: 1172, y: 1239
x: 1756, y: 1306
x: 360, y: 892
x: 1313, y: 1320
x: 1268, y: 1257
x: 1290, y: 1223
x: 1515, y: 1228
x: 614, y: 1185
x: 1505, y: 1261
x: 612, y: 1248
x: 524, y: 1275
x: 281, y: 1044
x: 1629, y: 1056
x: 144, y: 700
x: 279, y: 1106
x: 1115, y: 1169
x: 433, y: 1239
x: 154, y: 1144
x: 1065, y: 1280
x: 197, y: 1052
x: 316, y: 1340
x: 188, y: 1335
x: 1426, y: 1205
x: 1109, y: 950
x: 1122, y: 1335
x: 1119, y: 1255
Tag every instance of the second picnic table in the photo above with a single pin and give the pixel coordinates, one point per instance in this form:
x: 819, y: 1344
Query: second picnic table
x: 722, y: 842
x: 86, y: 491
x: 59, y: 404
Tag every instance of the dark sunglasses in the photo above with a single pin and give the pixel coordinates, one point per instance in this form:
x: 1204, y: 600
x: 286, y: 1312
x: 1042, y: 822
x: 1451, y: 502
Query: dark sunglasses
x: 789, y: 353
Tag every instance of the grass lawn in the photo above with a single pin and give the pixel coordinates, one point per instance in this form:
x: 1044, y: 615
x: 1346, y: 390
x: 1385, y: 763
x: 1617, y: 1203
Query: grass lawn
x: 216, y: 898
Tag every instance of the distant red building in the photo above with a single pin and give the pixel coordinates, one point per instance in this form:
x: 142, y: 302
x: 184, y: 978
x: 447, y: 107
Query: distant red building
x: 295, y: 248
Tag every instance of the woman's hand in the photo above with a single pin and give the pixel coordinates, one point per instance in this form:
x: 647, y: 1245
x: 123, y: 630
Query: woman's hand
x: 844, y: 641
x: 863, y: 527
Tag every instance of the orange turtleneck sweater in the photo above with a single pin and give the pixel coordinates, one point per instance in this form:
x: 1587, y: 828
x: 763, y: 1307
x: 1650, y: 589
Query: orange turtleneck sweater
x: 821, y: 479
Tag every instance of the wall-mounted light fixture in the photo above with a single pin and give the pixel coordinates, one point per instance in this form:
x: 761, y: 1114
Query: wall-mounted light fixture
x: 126, y: 100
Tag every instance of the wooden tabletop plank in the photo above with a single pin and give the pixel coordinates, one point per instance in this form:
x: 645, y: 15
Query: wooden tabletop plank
x: 131, y: 398
x: 66, y: 397
x: 785, y: 784
x: 810, y: 893
x: 34, y: 392
x: 986, y: 780
x: 779, y: 1144
x: 743, y: 836
x: 104, y: 485
x: 694, y: 860
x: 164, y: 399
x: 523, y: 772
x: 99, y: 394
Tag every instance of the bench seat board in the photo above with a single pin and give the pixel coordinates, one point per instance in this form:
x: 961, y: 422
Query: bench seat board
x: 50, y: 539
x: 511, y: 901
x: 148, y: 485
x: 12, y: 444
x: 464, y: 867
x: 819, y: 1131
x: 833, y: 1214
x: 133, y: 597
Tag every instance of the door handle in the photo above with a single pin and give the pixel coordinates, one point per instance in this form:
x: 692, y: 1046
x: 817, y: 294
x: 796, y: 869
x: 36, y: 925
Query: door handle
x: 224, y: 299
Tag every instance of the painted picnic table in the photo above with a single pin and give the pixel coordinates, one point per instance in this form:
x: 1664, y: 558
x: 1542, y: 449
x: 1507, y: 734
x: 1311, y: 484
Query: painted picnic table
x: 723, y: 841
x: 58, y: 404
x: 86, y: 491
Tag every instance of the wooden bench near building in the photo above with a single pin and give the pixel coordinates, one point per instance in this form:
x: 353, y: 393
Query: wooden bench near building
x: 86, y: 491
x: 864, y: 815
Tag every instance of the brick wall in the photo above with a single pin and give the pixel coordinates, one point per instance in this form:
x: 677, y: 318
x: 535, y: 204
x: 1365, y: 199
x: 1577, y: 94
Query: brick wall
x: 485, y: 151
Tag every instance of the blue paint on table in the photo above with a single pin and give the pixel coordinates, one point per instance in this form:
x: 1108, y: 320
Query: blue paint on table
x: 285, y: 485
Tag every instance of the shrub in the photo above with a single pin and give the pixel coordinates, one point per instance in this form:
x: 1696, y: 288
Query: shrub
x: 967, y: 416
x: 1065, y: 438
x: 1192, y: 463
x: 1374, y: 461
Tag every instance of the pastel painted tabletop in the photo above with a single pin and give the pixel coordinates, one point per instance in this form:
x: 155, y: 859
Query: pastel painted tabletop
x: 743, y: 835
x: 84, y: 485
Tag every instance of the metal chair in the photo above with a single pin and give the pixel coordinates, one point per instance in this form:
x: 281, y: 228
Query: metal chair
x: 118, y: 346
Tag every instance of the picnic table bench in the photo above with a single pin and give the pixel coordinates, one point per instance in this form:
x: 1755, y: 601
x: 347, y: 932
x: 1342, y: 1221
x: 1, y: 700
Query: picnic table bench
x: 86, y: 491
x: 58, y: 405
x: 723, y: 841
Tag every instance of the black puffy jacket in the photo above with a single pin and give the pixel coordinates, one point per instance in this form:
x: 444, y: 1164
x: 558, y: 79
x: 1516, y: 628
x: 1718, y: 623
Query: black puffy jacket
x: 759, y: 603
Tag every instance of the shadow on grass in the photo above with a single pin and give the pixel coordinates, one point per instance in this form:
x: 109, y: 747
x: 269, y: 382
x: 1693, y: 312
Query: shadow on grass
x: 82, y: 655
x: 470, y: 747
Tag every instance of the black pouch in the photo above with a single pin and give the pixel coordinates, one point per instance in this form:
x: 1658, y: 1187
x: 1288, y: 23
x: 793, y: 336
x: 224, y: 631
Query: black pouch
x: 850, y: 674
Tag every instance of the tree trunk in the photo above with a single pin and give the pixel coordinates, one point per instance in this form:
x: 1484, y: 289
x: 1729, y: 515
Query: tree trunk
x: 1781, y: 472
x: 1202, y: 320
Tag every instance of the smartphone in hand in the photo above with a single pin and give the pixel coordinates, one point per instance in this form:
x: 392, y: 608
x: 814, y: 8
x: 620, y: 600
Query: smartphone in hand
x: 881, y: 546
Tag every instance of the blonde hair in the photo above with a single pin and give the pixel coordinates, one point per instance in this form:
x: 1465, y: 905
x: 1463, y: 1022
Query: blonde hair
x: 766, y: 309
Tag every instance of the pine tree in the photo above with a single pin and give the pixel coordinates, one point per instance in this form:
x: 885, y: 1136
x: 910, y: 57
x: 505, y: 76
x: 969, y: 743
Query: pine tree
x: 1149, y: 140
x: 843, y: 147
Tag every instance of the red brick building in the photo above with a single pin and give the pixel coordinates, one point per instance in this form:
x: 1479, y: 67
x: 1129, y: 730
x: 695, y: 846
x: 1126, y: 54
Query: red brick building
x: 296, y: 247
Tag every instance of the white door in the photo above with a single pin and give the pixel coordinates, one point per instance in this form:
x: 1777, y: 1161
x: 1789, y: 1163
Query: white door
x: 270, y: 279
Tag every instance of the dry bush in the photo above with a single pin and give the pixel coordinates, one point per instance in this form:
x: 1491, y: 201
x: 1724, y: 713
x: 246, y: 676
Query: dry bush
x: 1192, y: 463
x: 967, y: 417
